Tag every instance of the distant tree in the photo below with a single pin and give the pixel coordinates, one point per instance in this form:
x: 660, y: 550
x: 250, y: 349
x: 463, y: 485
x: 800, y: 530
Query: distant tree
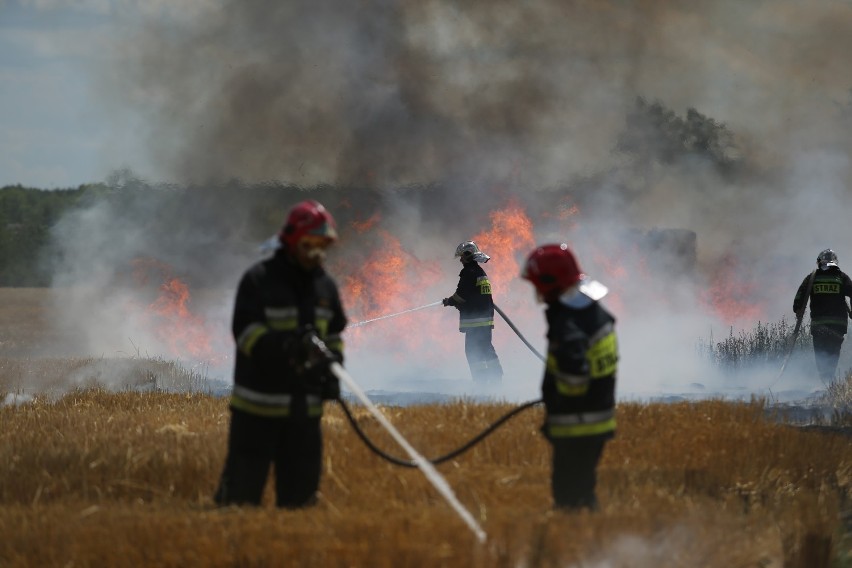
x: 26, y: 217
x: 654, y: 132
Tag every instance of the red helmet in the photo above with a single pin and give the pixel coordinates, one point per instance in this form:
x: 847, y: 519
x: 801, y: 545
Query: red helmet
x: 307, y: 218
x: 552, y: 269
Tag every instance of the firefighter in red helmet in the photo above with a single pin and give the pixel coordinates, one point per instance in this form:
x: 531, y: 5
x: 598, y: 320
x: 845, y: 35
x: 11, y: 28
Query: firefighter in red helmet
x: 279, y: 381
x: 578, y: 388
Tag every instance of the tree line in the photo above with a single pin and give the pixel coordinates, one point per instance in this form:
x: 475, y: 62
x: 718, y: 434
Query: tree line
x: 207, y: 223
x: 26, y: 217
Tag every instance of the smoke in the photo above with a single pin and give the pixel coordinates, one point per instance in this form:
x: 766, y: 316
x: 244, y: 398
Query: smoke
x: 728, y: 119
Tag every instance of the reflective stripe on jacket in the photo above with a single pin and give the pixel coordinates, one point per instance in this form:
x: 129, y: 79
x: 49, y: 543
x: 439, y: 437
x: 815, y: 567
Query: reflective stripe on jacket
x: 275, y: 299
x: 270, y: 405
x: 473, y: 298
x: 579, y: 380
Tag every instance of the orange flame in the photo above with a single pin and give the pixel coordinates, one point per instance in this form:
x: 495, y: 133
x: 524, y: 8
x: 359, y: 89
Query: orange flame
x: 364, y: 226
x: 511, y: 235
x: 383, y: 282
x: 168, y: 318
x: 729, y: 296
x: 183, y: 332
x: 388, y: 281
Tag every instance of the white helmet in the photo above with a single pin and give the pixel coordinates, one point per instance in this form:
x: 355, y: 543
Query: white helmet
x: 468, y: 250
x: 827, y: 258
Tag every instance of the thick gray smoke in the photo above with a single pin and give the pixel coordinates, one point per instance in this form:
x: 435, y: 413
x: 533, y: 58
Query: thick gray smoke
x: 728, y: 119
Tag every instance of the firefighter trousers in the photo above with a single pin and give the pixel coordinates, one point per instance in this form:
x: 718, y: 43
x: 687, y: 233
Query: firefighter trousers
x: 293, y: 445
x: 574, y: 473
x: 827, y: 343
x: 481, y: 357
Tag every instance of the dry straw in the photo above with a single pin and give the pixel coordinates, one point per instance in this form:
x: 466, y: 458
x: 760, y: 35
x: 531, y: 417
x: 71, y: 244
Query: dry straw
x: 124, y: 479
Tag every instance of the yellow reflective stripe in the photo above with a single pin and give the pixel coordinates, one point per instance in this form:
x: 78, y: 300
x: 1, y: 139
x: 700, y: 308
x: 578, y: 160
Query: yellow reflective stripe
x: 249, y: 337
x: 281, y: 313
x: 591, y: 417
x: 287, y: 319
x: 603, y: 357
x: 475, y: 322
x: 479, y: 324
x: 571, y: 390
x: 266, y: 399
x: 241, y: 403
x: 284, y: 325
x: 828, y: 320
x: 566, y: 384
x: 579, y: 430
x: 282, y: 319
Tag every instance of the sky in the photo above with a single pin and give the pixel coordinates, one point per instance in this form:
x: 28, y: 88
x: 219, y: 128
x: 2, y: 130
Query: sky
x: 54, y: 131
x: 496, y: 100
x: 49, y: 134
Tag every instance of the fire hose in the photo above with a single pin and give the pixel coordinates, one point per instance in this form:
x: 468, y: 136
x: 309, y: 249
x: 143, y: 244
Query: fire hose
x: 428, y: 469
x: 467, y: 445
x: 438, y: 303
x: 519, y: 334
x: 360, y: 323
x: 799, y: 315
x: 460, y: 450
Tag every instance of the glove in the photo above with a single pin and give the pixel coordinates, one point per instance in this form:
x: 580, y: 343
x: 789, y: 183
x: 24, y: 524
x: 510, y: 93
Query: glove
x: 447, y: 302
x: 329, y: 386
x: 300, y: 353
x: 320, y: 372
x: 318, y: 366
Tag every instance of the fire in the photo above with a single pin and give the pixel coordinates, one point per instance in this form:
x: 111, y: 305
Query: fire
x: 364, y: 226
x: 184, y: 333
x: 730, y: 296
x: 392, y: 279
x: 510, y: 236
x: 168, y: 319
x: 384, y: 281
x: 567, y: 212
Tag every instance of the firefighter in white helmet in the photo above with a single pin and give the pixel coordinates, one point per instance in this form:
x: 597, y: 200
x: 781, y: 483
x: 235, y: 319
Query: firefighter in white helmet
x: 827, y: 288
x: 279, y: 381
x: 473, y: 300
x: 578, y: 387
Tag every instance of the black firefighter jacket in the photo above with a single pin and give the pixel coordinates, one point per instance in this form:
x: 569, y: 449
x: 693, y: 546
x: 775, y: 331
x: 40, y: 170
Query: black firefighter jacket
x: 827, y: 298
x: 276, y: 300
x: 578, y: 388
x: 473, y: 298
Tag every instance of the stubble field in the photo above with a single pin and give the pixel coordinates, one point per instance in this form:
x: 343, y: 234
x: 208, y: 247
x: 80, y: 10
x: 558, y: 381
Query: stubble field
x: 95, y: 477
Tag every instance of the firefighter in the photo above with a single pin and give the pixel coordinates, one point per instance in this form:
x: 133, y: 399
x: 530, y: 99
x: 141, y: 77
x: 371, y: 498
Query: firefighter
x: 578, y: 387
x: 827, y: 288
x: 473, y: 300
x: 280, y: 382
